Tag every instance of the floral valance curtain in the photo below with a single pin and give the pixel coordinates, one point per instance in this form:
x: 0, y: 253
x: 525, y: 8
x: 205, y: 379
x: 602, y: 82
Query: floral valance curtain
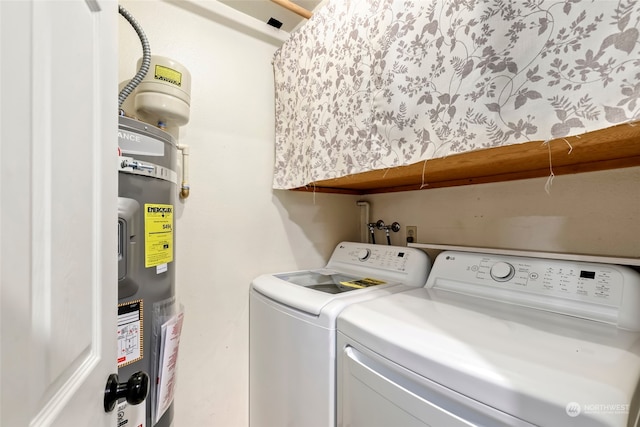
x: 374, y: 84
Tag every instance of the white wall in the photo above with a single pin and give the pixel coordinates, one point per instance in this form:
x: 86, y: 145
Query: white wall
x: 234, y: 226
x: 593, y: 213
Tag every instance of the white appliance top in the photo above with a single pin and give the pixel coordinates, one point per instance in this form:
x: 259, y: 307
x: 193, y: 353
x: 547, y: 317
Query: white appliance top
x: 588, y: 290
x: 354, y: 270
x: 551, y: 342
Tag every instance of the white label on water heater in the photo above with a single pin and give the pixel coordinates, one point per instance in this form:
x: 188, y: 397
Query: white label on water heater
x: 135, y: 143
x: 130, y: 332
x: 131, y: 415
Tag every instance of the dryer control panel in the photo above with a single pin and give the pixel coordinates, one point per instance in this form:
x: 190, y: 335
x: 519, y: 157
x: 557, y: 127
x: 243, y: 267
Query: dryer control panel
x: 593, y: 291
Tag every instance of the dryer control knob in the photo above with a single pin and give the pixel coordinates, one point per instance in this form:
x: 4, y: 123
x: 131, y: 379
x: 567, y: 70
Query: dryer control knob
x: 502, y: 271
x: 363, y: 254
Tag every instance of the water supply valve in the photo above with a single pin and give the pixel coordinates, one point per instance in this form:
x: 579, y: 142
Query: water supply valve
x: 395, y: 227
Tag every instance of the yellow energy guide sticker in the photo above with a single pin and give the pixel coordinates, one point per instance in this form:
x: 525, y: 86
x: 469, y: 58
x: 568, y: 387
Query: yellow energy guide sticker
x: 158, y: 234
x: 363, y: 283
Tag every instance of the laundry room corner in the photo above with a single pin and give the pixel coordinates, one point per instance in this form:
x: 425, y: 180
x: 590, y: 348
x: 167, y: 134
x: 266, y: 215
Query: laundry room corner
x: 233, y: 226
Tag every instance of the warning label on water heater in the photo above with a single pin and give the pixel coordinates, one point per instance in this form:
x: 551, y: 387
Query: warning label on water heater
x: 130, y: 332
x: 158, y: 234
x: 168, y: 75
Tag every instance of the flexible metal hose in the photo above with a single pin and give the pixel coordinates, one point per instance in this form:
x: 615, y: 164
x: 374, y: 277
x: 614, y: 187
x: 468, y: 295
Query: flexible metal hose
x: 146, y: 58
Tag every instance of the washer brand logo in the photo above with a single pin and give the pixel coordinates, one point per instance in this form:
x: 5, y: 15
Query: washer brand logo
x: 128, y: 136
x: 573, y: 409
x: 151, y: 209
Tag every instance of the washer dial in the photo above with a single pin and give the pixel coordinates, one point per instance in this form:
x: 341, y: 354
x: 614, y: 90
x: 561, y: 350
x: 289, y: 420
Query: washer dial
x: 502, y: 271
x: 363, y: 254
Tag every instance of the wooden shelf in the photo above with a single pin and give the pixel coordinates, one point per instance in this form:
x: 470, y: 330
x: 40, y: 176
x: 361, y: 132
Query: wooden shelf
x: 611, y: 148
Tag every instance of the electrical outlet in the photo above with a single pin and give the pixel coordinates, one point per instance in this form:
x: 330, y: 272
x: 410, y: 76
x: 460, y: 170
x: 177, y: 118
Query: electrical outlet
x: 412, y: 233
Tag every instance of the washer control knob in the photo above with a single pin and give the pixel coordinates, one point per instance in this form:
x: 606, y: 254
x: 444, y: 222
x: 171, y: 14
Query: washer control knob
x: 502, y: 271
x: 363, y: 254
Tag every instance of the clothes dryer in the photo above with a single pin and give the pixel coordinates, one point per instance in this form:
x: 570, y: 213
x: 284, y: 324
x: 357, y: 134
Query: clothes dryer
x: 292, y: 346
x: 495, y: 341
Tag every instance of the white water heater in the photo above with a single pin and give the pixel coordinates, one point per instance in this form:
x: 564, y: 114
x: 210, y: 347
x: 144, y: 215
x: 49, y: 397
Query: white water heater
x: 164, y: 95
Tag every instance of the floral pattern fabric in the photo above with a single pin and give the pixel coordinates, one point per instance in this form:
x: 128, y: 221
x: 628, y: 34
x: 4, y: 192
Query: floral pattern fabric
x: 374, y: 84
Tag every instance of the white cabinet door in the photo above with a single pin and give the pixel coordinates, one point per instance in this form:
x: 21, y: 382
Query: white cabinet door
x: 58, y: 211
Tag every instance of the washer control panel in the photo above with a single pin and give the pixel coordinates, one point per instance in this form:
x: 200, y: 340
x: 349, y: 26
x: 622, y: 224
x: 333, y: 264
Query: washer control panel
x: 569, y: 287
x: 385, y: 257
x: 391, y: 263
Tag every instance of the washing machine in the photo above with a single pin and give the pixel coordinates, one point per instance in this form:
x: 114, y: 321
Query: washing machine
x: 495, y: 340
x: 292, y: 346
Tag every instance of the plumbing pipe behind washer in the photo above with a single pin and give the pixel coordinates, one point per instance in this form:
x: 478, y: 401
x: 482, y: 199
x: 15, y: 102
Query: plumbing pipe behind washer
x: 364, y: 220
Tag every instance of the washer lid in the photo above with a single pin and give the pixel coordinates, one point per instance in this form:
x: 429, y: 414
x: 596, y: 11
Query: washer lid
x: 311, y: 290
x: 327, y: 281
x: 367, y: 270
x: 528, y: 363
